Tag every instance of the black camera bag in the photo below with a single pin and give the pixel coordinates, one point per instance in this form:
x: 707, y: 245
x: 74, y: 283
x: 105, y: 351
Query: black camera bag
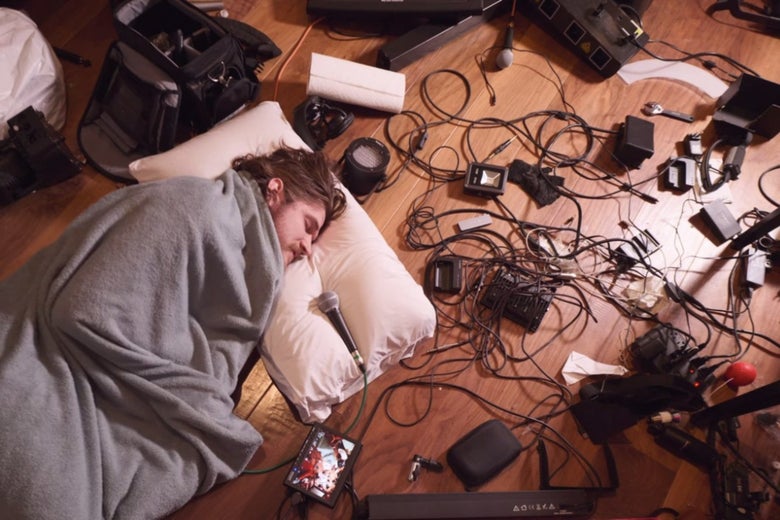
x: 174, y: 72
x: 33, y: 156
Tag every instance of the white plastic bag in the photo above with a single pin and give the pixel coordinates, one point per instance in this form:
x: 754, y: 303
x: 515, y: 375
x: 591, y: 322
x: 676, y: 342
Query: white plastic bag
x: 30, y: 72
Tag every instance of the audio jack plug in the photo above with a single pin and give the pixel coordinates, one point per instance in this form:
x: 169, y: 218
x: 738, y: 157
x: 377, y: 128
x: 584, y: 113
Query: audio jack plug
x: 500, y: 148
x: 419, y: 462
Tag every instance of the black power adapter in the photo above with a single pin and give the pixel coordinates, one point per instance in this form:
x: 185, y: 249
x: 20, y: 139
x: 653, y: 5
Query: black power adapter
x: 635, y: 141
x: 680, y: 174
x: 720, y: 220
x: 637, y: 249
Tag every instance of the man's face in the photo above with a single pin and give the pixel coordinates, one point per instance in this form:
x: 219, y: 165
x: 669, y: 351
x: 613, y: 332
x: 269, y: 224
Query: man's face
x: 297, y: 223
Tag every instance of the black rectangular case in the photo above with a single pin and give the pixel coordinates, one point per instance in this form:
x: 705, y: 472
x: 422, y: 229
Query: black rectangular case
x: 483, y: 453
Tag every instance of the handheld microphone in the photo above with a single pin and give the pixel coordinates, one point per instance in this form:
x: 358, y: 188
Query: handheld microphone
x: 328, y: 303
x: 506, y: 56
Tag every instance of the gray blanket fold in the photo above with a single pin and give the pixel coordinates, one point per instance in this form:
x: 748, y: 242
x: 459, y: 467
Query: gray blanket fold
x: 120, y: 345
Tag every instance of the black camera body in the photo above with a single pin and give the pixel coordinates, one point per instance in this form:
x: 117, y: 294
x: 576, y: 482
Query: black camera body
x: 33, y: 157
x: 665, y: 350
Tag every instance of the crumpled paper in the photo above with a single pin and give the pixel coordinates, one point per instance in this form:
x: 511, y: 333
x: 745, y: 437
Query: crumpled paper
x: 579, y: 366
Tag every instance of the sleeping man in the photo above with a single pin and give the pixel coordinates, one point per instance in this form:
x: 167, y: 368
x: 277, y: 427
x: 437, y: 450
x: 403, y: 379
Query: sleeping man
x: 121, y: 343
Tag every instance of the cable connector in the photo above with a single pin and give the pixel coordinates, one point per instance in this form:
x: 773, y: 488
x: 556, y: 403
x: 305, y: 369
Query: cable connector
x: 693, y: 146
x: 666, y: 417
x: 419, y: 462
x: 637, y: 249
x: 422, y: 140
x: 568, y: 268
x: 732, y: 164
x: 500, y: 148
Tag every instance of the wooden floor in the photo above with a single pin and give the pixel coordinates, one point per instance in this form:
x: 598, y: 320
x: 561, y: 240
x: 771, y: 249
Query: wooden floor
x: 427, y: 420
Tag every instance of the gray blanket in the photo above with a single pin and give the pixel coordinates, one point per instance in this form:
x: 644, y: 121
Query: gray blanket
x: 120, y: 345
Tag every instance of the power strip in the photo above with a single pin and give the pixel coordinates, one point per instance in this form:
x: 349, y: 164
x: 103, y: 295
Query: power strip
x: 598, y: 31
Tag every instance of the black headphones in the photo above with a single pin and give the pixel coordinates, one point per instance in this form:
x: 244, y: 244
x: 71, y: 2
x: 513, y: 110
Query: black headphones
x: 770, y: 16
x: 317, y: 121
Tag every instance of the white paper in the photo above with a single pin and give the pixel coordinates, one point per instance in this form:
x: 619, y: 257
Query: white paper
x: 702, y: 79
x: 579, y: 366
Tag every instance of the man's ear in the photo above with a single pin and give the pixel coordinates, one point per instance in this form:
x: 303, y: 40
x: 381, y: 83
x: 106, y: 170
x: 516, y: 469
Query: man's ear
x: 274, y: 192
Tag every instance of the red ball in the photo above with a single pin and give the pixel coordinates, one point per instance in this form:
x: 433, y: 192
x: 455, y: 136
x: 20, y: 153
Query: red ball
x: 740, y: 373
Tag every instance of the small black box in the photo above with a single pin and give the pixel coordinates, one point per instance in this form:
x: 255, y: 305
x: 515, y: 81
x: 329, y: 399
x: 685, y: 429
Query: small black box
x: 635, y: 142
x: 483, y: 452
x: 720, y: 220
x: 447, y: 275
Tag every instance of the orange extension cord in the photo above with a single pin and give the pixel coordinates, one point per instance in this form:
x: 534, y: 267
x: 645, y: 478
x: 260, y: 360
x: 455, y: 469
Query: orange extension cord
x: 292, y: 53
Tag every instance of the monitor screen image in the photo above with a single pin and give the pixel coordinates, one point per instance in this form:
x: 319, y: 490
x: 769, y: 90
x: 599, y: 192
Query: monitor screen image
x: 323, y: 465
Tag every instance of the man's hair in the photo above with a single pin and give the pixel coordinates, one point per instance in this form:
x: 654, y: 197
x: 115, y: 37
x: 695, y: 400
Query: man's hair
x: 306, y: 177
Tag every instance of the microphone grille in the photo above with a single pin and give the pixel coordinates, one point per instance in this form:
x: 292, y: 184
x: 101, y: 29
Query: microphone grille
x: 327, y: 301
x: 504, y: 58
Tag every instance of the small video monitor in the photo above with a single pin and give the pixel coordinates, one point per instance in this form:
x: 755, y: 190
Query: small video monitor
x: 323, y: 465
x: 486, y: 180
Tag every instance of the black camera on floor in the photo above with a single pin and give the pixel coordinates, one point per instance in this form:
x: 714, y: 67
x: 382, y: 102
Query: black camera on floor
x: 33, y: 156
x: 666, y: 350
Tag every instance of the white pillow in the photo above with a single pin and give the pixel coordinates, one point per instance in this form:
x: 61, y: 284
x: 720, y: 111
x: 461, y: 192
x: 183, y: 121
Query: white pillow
x: 384, y: 307
x: 257, y: 130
